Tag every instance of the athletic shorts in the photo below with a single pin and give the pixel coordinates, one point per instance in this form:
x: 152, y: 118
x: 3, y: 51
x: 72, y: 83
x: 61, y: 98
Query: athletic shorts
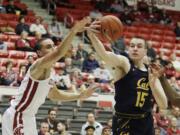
x: 16, y: 123
x: 130, y: 126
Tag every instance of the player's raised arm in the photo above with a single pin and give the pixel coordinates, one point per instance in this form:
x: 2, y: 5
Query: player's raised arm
x: 56, y: 94
x: 171, y: 93
x: 157, y: 88
x: 60, y: 51
x: 109, y: 57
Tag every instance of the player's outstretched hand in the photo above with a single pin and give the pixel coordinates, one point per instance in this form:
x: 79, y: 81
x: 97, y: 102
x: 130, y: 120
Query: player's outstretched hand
x: 85, y: 93
x: 80, y: 26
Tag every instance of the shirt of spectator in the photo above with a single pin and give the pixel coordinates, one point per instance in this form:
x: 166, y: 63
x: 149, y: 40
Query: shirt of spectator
x: 11, y: 8
x: 52, y: 7
x: 3, y: 46
x: 51, y: 120
x: 21, y: 26
x: 55, y: 31
x: 102, y: 74
x: 76, y: 60
x: 151, y: 52
x: 81, y: 52
x: 38, y: 27
x: 177, y: 30
x: 102, y: 5
x: 90, y: 63
x: 23, y: 44
x: 119, y: 46
x: 91, y: 122
x: 76, y: 77
x: 44, y: 129
x: 142, y: 6
x: 117, y: 6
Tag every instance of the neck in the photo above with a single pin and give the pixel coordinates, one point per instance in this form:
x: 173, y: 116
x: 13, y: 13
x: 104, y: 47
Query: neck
x: 138, y: 63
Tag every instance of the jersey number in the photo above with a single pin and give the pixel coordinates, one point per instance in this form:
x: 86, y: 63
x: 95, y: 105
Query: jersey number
x: 140, y: 98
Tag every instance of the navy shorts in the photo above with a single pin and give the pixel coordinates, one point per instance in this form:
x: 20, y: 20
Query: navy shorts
x: 131, y: 126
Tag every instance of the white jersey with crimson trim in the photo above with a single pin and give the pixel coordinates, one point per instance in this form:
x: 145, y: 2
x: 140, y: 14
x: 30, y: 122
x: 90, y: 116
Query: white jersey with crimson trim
x: 31, y: 94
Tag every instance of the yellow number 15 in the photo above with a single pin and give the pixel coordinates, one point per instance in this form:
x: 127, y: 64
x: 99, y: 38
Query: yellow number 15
x: 140, y: 98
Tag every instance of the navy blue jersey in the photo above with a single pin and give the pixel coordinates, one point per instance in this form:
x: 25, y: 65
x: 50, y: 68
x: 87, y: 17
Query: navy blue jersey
x: 132, y: 92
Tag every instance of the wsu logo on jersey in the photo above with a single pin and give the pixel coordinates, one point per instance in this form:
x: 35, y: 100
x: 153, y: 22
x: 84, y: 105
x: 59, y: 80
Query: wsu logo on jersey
x: 19, y: 130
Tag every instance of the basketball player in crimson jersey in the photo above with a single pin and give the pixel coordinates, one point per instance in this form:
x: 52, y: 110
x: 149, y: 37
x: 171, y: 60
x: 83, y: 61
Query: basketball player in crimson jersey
x: 134, y: 87
x: 19, y: 118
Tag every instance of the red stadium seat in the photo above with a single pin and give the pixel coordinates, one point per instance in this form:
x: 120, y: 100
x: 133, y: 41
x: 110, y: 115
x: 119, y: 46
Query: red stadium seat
x: 178, y: 46
x: 13, y: 38
x: 177, y: 52
x: 171, y: 39
x: 16, y: 54
x: 129, y: 35
x: 3, y: 23
x: 158, y: 32
x: 145, y: 31
x: 156, y: 44
x: 3, y: 61
x: 4, y: 37
x: 157, y: 38
x: 105, y: 104
x: 169, y: 33
x: 10, y: 45
x: 145, y: 36
x: 133, y: 29
x: 168, y: 45
x: 12, y: 24
x: 4, y: 54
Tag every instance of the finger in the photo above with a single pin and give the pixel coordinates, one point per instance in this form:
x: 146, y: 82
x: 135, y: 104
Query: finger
x: 96, y: 22
x: 93, y: 31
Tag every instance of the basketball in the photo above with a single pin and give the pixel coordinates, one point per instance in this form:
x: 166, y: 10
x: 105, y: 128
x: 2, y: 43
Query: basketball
x: 111, y: 28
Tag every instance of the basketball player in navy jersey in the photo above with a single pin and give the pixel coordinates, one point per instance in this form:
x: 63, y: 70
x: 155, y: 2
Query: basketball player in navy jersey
x: 19, y: 118
x: 134, y: 87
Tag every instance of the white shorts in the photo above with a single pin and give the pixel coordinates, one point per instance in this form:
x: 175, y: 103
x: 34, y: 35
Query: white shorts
x: 14, y: 123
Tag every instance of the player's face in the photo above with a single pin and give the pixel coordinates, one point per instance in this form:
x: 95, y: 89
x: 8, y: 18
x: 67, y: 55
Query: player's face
x: 47, y: 46
x: 137, y: 49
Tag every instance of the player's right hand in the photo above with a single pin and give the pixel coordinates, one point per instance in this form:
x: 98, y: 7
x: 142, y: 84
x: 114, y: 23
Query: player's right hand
x: 80, y: 26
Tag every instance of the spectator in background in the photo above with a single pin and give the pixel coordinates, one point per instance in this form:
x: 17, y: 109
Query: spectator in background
x: 142, y: 6
x: 102, y: 5
x: 81, y: 52
x: 44, y: 129
x: 176, y: 113
x: 102, y: 74
x: 52, y: 7
x: 177, y: 30
x: 68, y: 66
x: 20, y: 76
x: 76, y: 61
x: 3, y: 46
x: 89, y: 130
x: 38, y: 27
x: 164, y: 17
x: 90, y: 63
x: 118, y: 6
x: 106, y: 131
x: 95, y: 14
x: 38, y: 36
x: 169, y: 70
x: 119, y: 46
x: 126, y: 17
x: 173, y: 130
x: 61, y: 129
x: 76, y: 77
x: 11, y: 8
x: 30, y: 60
x: 51, y: 120
x: 151, y: 53
x: 91, y: 122
x: 9, y: 75
x: 21, y: 26
x: 55, y: 31
x: 23, y: 44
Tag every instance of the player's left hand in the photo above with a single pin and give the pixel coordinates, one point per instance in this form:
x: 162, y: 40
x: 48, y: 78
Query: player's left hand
x: 85, y: 93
